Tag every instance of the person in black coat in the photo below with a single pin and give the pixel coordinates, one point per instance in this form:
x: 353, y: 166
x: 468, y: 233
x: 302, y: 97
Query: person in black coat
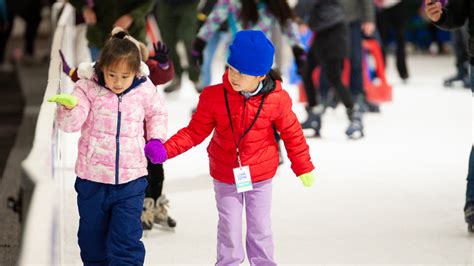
x: 329, y: 48
x: 30, y: 11
x: 453, y: 16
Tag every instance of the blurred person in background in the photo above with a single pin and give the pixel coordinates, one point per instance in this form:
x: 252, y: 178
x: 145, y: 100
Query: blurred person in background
x: 460, y: 45
x: 251, y: 14
x: 360, y: 17
x: 329, y: 48
x: 101, y: 16
x: 221, y: 35
x: 391, y: 14
x: 178, y: 23
x: 30, y: 12
x: 434, y: 31
x: 453, y: 16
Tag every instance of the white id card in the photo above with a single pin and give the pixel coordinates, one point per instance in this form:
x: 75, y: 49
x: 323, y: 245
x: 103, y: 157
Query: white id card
x: 243, y: 182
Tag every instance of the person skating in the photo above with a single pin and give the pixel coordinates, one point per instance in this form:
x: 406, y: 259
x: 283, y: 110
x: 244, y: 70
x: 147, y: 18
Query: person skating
x: 155, y: 206
x: 453, y: 16
x: 329, y: 47
x: 243, y: 152
x: 112, y: 109
x: 460, y: 39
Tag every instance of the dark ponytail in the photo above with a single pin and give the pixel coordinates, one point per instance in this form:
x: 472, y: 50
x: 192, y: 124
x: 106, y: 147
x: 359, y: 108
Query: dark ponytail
x: 119, y: 49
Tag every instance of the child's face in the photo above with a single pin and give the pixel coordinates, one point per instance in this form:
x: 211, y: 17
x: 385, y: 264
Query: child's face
x: 243, y: 82
x: 118, y: 77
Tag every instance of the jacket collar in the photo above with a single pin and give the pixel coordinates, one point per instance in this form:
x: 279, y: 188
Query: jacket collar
x: 269, y: 85
x: 136, y: 82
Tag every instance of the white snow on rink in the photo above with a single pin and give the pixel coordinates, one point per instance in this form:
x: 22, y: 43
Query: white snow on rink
x: 394, y: 197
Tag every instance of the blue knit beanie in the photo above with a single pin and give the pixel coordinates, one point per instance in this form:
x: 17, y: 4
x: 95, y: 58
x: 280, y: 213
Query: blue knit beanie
x: 251, y: 53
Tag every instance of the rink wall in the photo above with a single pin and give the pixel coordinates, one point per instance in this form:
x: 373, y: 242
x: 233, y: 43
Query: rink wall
x: 42, y: 169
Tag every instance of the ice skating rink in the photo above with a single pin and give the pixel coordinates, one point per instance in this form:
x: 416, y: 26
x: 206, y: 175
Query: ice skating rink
x: 394, y: 197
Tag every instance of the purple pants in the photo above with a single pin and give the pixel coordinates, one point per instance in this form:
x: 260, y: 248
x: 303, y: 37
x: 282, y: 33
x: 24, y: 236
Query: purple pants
x: 259, y: 242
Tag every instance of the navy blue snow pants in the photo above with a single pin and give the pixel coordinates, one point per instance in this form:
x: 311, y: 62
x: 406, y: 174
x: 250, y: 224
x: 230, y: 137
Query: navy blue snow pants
x: 109, y: 227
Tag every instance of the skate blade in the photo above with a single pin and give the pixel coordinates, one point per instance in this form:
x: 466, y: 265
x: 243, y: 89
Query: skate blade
x: 355, y: 135
x: 163, y: 226
x: 311, y: 133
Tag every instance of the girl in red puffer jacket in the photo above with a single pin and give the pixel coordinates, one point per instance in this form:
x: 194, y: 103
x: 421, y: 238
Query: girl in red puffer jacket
x: 243, y: 152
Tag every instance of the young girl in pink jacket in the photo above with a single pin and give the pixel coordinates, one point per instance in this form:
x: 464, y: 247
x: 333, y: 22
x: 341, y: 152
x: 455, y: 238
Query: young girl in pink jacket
x: 115, y: 110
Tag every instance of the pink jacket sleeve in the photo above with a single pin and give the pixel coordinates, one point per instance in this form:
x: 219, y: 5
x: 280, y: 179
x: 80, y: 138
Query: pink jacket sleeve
x: 156, y: 116
x: 72, y: 120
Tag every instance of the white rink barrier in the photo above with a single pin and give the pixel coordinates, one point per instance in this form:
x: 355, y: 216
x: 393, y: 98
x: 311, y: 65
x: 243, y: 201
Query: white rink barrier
x: 41, y: 183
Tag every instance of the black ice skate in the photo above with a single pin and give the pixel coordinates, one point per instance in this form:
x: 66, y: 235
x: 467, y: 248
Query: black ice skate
x: 460, y: 77
x: 469, y: 216
x: 356, y: 128
x: 331, y: 100
x: 313, y: 121
x: 173, y: 86
x: 147, y: 214
x: 365, y: 105
x: 161, y: 216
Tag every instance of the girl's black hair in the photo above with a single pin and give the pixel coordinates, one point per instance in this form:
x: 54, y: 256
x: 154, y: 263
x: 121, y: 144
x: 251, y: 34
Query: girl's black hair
x: 116, y: 49
x: 279, y: 8
x: 273, y: 74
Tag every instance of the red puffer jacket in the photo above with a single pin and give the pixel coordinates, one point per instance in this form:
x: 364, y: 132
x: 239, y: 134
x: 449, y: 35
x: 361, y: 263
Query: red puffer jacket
x: 258, y: 149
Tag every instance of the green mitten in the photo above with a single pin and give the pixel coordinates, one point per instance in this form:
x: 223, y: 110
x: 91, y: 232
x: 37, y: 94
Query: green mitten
x: 66, y: 100
x: 307, y: 179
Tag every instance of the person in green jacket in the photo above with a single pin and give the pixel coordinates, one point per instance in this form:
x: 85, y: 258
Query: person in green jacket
x: 102, y: 16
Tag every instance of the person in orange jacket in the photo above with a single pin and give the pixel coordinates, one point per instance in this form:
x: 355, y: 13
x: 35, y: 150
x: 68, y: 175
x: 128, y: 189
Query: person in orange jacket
x: 243, y: 153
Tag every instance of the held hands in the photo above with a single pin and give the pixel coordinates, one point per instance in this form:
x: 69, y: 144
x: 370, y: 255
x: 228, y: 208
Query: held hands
x: 196, y: 52
x: 65, y: 100
x: 433, y: 10
x: 161, y: 52
x: 307, y: 179
x: 155, y: 151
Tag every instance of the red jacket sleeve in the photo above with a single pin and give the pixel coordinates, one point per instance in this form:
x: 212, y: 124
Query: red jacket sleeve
x: 201, y: 125
x: 292, y: 135
x: 158, y: 75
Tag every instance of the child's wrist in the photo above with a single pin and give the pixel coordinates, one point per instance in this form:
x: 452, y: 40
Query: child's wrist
x: 165, y: 65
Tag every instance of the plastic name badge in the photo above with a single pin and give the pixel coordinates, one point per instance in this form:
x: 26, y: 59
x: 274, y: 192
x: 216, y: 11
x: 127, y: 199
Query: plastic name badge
x: 243, y: 182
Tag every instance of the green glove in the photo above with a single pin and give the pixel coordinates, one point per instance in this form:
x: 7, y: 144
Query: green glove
x: 307, y: 179
x: 66, y: 100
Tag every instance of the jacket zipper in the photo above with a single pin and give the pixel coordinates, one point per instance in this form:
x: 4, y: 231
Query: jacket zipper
x: 117, y: 140
x: 242, y: 123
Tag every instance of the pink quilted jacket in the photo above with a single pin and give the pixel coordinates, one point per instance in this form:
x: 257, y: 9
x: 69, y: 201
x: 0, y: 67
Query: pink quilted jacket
x: 113, y: 129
